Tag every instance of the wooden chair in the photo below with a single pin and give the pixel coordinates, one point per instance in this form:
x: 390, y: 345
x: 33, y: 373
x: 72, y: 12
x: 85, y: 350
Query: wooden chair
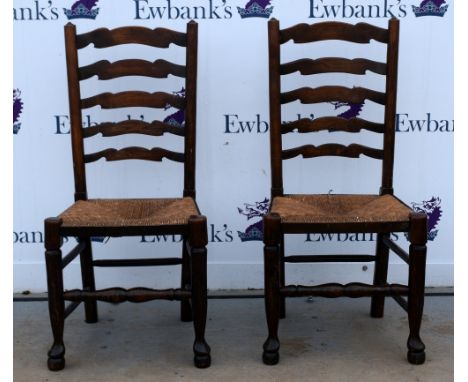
x: 382, y: 213
x: 129, y: 217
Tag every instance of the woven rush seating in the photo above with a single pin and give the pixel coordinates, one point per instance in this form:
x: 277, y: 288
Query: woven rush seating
x: 331, y: 209
x: 129, y: 212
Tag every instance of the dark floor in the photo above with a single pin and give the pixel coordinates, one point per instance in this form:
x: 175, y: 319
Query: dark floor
x: 321, y: 340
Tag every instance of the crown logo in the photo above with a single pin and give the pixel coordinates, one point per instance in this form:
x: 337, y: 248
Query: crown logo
x: 17, y: 109
x: 82, y: 9
x: 433, y: 211
x: 176, y: 119
x: 254, y: 232
x: 430, y: 8
x: 353, y: 111
x: 256, y: 8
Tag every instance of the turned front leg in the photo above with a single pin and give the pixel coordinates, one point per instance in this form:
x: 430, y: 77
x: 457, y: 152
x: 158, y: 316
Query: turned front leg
x: 416, y: 282
x: 272, y: 228
x: 198, y: 239
x: 53, y: 258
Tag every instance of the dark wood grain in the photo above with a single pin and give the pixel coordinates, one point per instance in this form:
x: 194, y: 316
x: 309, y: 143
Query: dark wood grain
x: 334, y: 30
x: 74, y: 96
x: 332, y: 149
x: 155, y: 154
x: 272, y: 282
x: 87, y: 277
x: 275, y: 108
x: 191, y: 110
x: 380, y: 275
x: 118, y: 295
x: 416, y: 281
x: 353, y: 290
x: 390, y: 108
x: 333, y: 93
x: 197, y: 239
x: 103, y: 37
x: 307, y: 66
x: 111, y: 129
x: 353, y: 125
x: 105, y: 70
x: 133, y: 99
x: 53, y: 259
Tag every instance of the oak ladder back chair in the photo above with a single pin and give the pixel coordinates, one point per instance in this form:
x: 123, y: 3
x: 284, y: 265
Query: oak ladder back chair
x: 382, y: 213
x: 129, y: 217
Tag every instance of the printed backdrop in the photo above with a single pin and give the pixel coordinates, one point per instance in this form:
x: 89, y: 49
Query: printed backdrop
x: 233, y: 168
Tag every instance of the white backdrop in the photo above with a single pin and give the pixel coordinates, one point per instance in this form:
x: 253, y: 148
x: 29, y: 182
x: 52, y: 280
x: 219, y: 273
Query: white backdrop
x: 233, y: 166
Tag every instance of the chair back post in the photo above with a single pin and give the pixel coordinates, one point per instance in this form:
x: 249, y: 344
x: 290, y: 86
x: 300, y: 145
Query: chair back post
x: 191, y: 107
x: 390, y: 106
x: 74, y: 98
x: 275, y: 108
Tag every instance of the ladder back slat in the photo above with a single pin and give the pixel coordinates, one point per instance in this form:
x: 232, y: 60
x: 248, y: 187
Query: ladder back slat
x: 133, y: 99
x: 154, y: 154
x: 361, y: 33
x: 158, y: 38
x: 112, y: 129
x: 353, y: 125
x: 331, y: 94
x: 332, y: 149
x: 308, y: 66
x: 106, y: 70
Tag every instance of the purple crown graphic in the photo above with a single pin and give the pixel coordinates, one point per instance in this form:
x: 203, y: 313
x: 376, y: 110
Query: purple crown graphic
x: 433, y: 211
x: 431, y: 8
x: 17, y: 109
x: 82, y: 9
x: 254, y: 232
x: 353, y: 111
x: 256, y: 8
x: 176, y: 119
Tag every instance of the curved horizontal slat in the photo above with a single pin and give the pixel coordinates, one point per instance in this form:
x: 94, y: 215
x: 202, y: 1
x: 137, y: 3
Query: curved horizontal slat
x: 133, y: 99
x: 154, y: 154
x: 333, y: 93
x: 333, y: 65
x: 158, y: 38
x: 111, y: 129
x: 334, y: 30
x: 353, y: 125
x: 332, y: 149
x: 106, y: 70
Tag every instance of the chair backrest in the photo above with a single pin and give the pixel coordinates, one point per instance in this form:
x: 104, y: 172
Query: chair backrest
x: 104, y: 70
x: 360, y: 33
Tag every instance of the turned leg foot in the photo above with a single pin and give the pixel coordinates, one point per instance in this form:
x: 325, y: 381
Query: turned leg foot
x: 202, y: 358
x: 271, y: 352
x: 56, y: 360
x: 416, y: 354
